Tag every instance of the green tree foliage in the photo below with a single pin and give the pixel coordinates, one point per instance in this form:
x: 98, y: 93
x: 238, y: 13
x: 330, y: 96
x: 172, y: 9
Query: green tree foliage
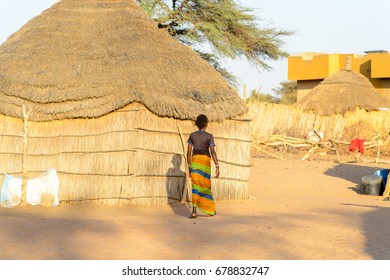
x: 222, y: 27
x: 287, y: 92
x: 262, y: 97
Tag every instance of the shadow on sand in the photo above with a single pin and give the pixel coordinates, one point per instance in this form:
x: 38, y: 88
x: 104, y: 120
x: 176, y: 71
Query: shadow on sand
x: 352, y: 173
x: 375, y: 223
x: 375, y: 227
x: 176, y: 182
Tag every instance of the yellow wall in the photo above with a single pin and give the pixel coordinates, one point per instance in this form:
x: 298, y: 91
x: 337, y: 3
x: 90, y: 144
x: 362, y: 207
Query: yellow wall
x: 308, y: 67
x: 380, y: 63
x: 382, y: 86
x: 314, y: 66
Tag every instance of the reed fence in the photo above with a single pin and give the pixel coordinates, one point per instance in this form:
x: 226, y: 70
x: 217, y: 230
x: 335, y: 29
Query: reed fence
x: 287, y: 127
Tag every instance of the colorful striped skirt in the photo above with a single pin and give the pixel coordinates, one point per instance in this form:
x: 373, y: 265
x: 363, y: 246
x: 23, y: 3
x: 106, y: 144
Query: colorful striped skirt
x: 202, y: 197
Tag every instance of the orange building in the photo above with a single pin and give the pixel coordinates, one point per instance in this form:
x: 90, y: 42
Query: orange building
x: 309, y: 69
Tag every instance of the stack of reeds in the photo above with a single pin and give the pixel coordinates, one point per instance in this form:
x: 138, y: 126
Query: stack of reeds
x: 337, y: 147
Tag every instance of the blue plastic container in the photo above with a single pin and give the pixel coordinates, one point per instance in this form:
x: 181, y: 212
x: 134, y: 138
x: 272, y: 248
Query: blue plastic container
x: 384, y: 173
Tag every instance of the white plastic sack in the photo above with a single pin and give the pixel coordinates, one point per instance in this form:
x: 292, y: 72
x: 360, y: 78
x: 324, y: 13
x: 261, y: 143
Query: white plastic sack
x: 11, y: 191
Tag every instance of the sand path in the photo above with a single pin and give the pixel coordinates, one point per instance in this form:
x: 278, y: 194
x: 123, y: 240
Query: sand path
x: 298, y: 210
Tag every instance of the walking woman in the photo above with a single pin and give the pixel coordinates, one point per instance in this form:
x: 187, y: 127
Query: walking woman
x: 201, y: 148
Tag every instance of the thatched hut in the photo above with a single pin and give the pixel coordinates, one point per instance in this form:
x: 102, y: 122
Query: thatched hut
x: 112, y: 99
x: 342, y: 92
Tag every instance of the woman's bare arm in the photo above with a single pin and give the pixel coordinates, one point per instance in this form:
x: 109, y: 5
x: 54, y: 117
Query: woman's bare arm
x: 189, y: 156
x: 215, y: 159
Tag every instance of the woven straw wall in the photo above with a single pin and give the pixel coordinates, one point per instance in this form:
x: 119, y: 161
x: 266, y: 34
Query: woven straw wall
x: 269, y: 119
x: 129, y: 157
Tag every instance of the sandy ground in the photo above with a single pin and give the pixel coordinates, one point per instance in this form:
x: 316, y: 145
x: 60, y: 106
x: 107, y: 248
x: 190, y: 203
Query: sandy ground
x: 298, y: 210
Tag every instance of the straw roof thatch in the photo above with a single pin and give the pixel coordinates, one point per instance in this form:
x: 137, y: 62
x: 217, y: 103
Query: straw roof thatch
x: 343, y: 92
x: 85, y: 59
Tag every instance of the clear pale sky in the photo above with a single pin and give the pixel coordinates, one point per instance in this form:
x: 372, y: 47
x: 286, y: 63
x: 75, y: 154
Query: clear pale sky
x: 329, y: 26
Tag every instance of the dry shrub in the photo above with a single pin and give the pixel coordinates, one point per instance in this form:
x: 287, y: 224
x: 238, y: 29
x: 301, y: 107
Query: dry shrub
x: 361, y: 129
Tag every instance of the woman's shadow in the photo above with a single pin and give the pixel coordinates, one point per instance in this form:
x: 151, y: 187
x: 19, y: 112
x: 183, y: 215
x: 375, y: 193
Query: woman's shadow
x: 176, y: 184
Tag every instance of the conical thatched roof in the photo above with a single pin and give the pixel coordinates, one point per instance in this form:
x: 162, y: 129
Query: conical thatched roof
x: 84, y: 59
x: 343, y: 92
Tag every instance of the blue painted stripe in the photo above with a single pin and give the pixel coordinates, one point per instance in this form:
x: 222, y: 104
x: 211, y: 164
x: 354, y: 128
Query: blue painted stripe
x: 210, y: 197
x: 204, y: 174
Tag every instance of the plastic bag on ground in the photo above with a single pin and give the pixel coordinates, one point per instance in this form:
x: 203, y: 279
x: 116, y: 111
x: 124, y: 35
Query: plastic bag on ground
x: 47, y: 183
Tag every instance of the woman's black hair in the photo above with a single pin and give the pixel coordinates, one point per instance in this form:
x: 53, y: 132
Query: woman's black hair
x: 201, y: 121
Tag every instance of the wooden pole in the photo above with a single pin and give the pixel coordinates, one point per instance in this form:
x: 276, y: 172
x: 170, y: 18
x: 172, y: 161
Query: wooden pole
x: 25, y: 143
x: 378, y: 151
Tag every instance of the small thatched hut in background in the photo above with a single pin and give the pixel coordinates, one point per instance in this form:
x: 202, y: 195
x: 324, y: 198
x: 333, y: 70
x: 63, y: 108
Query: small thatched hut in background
x: 112, y: 99
x: 342, y: 107
x: 342, y: 92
